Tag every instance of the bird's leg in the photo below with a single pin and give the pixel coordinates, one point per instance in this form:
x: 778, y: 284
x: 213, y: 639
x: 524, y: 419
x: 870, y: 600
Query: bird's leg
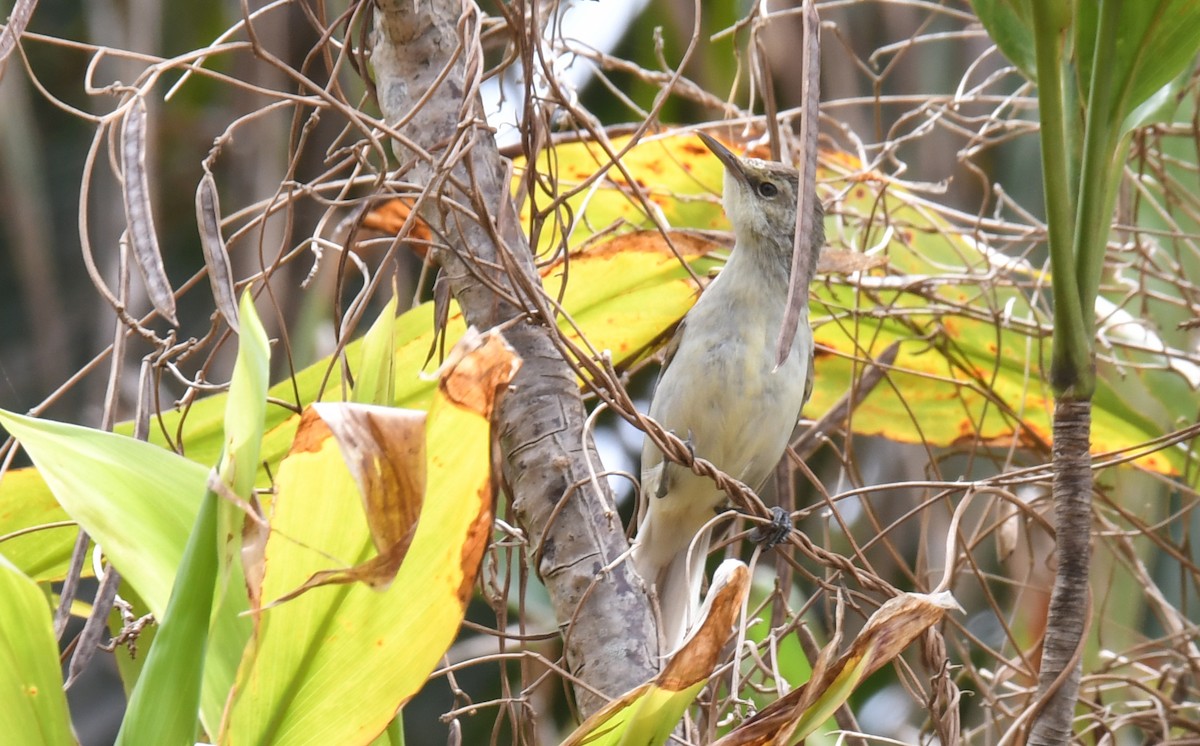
x: 664, y: 482
x: 775, y: 533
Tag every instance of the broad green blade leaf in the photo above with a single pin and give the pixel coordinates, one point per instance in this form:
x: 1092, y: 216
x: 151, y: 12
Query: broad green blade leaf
x: 376, y: 378
x: 1156, y: 42
x: 137, y: 500
x: 165, y: 703
x: 246, y: 406
x: 1009, y: 24
x: 33, y: 707
x: 245, y: 410
x: 139, y: 503
x: 25, y: 504
x: 647, y: 715
x: 334, y: 664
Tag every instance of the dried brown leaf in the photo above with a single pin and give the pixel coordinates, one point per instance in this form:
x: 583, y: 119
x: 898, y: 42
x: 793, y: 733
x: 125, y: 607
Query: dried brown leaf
x: 887, y: 633
x: 696, y: 659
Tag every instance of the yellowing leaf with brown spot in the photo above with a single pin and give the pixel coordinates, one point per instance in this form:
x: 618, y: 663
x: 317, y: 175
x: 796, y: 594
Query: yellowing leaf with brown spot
x: 625, y: 292
x: 674, y: 175
x: 349, y: 647
x: 648, y: 714
x: 973, y: 349
x: 384, y: 448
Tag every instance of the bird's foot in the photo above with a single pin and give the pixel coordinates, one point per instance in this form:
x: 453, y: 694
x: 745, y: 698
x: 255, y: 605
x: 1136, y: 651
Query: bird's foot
x: 775, y: 533
x: 690, y: 443
x: 664, y: 482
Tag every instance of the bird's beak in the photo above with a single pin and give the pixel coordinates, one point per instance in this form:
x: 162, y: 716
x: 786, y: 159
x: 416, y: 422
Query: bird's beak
x: 733, y: 164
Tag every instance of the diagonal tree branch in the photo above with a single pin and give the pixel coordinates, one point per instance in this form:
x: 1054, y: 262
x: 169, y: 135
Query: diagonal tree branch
x: 427, y: 66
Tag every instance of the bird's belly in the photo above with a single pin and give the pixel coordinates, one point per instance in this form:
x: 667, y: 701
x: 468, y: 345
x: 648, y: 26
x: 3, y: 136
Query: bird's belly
x: 740, y: 413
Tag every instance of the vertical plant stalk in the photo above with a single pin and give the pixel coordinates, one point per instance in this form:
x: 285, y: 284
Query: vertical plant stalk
x: 1067, y: 619
x: 1071, y: 348
x: 1097, y: 182
x: 1076, y: 234
x: 427, y: 66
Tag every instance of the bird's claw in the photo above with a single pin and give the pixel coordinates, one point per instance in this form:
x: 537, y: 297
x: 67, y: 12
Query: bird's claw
x: 773, y: 534
x: 664, y: 485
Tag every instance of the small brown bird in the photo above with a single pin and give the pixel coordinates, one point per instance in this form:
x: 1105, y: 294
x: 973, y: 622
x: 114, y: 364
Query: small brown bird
x: 720, y: 390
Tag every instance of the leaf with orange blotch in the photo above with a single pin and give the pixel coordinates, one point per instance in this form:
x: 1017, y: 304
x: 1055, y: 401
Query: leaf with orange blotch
x: 970, y: 368
x: 675, y: 176
x: 348, y: 642
x: 892, y: 628
x: 626, y: 291
x: 390, y: 216
x: 972, y: 342
x: 648, y: 714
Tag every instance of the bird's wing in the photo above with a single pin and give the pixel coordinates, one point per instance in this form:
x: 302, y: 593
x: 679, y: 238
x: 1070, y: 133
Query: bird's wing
x: 654, y: 478
x: 810, y: 375
x: 671, y: 349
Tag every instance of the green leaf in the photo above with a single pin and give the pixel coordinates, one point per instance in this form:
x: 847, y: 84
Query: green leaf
x: 166, y: 700
x: 33, y: 707
x: 1010, y: 24
x: 376, y: 379
x: 25, y: 504
x: 246, y: 407
x: 139, y: 502
x: 1156, y: 42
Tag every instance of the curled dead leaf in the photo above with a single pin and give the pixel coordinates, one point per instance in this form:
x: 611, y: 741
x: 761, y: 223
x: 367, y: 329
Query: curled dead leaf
x: 384, y: 449
x: 648, y: 713
x: 888, y: 632
x: 696, y: 658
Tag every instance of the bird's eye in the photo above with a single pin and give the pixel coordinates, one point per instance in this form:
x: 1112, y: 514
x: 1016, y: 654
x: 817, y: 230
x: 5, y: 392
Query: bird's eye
x: 767, y: 189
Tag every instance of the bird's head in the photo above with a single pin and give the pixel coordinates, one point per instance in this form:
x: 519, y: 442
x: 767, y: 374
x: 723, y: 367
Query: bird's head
x: 760, y: 202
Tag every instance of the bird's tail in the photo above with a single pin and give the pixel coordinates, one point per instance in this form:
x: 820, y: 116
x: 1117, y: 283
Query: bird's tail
x: 660, y: 556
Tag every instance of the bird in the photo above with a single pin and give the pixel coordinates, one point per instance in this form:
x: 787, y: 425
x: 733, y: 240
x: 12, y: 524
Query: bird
x: 720, y: 389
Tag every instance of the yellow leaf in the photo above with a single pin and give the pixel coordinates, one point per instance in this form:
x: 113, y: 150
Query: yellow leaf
x: 348, y: 647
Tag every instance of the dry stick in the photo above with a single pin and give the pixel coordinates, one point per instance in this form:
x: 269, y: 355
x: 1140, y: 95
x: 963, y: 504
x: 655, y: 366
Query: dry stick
x: 802, y: 247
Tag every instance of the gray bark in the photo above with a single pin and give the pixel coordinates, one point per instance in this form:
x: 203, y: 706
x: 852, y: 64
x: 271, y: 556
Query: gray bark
x: 1062, y: 646
x: 426, y: 75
